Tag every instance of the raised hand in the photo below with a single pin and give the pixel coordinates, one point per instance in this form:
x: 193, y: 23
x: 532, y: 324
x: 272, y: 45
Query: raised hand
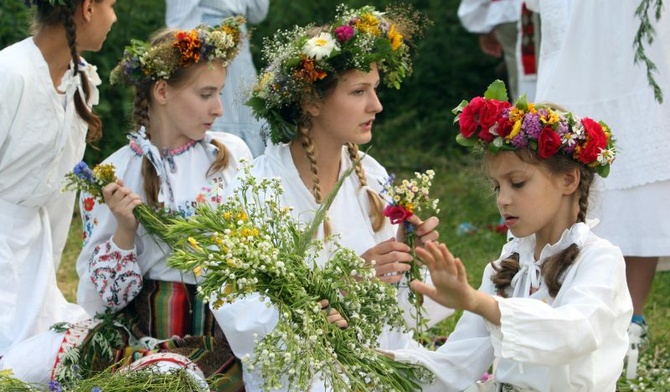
x: 451, y: 287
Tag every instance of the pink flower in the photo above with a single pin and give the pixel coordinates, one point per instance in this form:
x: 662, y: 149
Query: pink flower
x: 344, y: 33
x: 397, y: 213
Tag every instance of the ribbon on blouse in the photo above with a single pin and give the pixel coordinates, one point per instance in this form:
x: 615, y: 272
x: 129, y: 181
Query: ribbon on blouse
x: 149, y: 151
x: 70, y: 83
x: 532, y: 271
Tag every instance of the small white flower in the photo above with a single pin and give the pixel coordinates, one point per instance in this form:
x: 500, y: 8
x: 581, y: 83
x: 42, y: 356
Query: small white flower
x: 320, y: 46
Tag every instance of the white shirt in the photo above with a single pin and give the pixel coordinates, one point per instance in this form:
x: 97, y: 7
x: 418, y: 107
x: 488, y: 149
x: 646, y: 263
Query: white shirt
x: 573, y: 342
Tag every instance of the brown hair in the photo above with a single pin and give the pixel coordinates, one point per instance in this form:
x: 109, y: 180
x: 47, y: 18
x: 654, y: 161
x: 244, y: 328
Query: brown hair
x: 48, y: 15
x: 141, y: 118
x: 555, y: 266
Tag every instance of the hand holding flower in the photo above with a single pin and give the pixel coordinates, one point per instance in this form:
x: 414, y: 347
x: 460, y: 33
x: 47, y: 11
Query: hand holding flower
x: 333, y: 315
x: 391, y: 260
x: 424, y: 230
x: 121, y: 202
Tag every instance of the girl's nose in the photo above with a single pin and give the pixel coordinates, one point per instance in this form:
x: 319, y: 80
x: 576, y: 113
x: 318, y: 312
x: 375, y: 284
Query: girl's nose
x: 375, y: 104
x: 218, y: 107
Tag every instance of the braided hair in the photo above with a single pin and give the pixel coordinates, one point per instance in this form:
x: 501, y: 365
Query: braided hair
x: 63, y: 13
x: 555, y: 266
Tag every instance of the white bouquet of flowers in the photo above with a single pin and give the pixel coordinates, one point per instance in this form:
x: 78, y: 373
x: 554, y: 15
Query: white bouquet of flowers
x: 251, y: 244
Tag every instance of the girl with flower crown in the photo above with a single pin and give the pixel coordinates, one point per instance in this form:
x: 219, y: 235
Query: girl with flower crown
x: 552, y: 311
x: 47, y: 93
x: 173, y: 161
x: 319, y: 97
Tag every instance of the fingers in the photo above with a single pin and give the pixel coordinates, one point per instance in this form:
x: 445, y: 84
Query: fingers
x: 425, y: 230
x: 333, y: 316
x: 121, y: 201
x: 423, y: 288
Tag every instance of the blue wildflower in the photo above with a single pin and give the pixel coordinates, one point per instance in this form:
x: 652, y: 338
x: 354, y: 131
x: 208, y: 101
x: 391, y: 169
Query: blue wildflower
x: 83, y: 172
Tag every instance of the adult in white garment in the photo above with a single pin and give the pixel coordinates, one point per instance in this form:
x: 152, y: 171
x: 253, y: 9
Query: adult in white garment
x: 47, y: 93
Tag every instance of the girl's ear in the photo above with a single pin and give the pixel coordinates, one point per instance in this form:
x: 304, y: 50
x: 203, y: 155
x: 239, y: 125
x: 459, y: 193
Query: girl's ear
x: 160, y: 92
x: 571, y: 181
x: 313, y: 109
x: 87, y: 10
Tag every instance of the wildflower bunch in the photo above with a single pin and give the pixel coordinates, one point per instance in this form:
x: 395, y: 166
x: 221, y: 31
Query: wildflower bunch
x: 304, y: 59
x: 144, y: 62
x: 404, y: 199
x: 492, y: 122
x: 92, y: 181
x: 251, y: 244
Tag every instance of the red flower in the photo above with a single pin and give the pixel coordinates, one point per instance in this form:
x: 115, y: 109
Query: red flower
x: 89, y: 203
x: 548, y: 143
x: 596, y: 140
x: 505, y: 127
x: 469, y: 118
x: 397, y: 213
x: 481, y: 112
x: 491, y: 113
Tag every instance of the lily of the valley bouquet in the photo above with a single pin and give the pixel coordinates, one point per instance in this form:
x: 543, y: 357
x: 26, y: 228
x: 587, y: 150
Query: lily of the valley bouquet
x: 250, y: 244
x: 404, y: 199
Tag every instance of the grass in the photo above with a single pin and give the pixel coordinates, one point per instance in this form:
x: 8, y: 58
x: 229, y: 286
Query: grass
x: 466, y: 198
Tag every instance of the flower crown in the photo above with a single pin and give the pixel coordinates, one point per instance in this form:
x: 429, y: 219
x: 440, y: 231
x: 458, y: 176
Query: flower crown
x: 302, y: 59
x: 145, y: 63
x: 491, y: 121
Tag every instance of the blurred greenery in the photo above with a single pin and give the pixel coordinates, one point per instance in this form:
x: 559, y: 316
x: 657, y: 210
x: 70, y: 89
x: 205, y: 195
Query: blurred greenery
x: 448, y: 66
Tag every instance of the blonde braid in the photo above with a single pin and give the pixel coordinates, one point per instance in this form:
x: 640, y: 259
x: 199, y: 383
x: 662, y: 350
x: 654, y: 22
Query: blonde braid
x: 310, y: 152
x: 376, y: 212
x: 222, y: 158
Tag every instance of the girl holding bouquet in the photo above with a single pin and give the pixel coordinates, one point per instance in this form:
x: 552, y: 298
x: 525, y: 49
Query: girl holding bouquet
x: 553, y: 310
x: 47, y: 93
x: 319, y: 98
x: 172, y: 162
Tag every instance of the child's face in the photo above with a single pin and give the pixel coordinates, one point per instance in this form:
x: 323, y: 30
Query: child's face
x: 530, y: 198
x: 348, y: 111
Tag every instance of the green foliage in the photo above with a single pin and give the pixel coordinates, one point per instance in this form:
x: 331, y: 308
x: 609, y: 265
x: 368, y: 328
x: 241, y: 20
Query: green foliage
x: 14, y: 22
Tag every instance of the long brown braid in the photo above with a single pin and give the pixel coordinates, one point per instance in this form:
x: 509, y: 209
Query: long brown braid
x: 376, y: 212
x: 311, y: 154
x: 141, y: 118
x: 48, y: 15
x: 555, y: 266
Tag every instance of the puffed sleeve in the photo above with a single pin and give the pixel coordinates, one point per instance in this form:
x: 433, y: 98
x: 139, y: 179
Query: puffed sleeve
x: 109, y: 277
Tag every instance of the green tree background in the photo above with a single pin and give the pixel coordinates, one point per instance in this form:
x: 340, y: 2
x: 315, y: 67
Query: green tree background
x: 448, y: 67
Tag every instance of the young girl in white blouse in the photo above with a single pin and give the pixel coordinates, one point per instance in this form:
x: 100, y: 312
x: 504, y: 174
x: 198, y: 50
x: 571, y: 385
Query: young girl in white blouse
x: 172, y: 161
x: 553, y: 310
x: 46, y: 118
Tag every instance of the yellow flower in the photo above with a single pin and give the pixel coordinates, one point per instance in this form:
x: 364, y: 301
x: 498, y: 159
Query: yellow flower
x: 395, y: 38
x: 197, y: 270
x: 104, y: 173
x: 515, y: 130
x: 194, y: 243
x: 368, y: 24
